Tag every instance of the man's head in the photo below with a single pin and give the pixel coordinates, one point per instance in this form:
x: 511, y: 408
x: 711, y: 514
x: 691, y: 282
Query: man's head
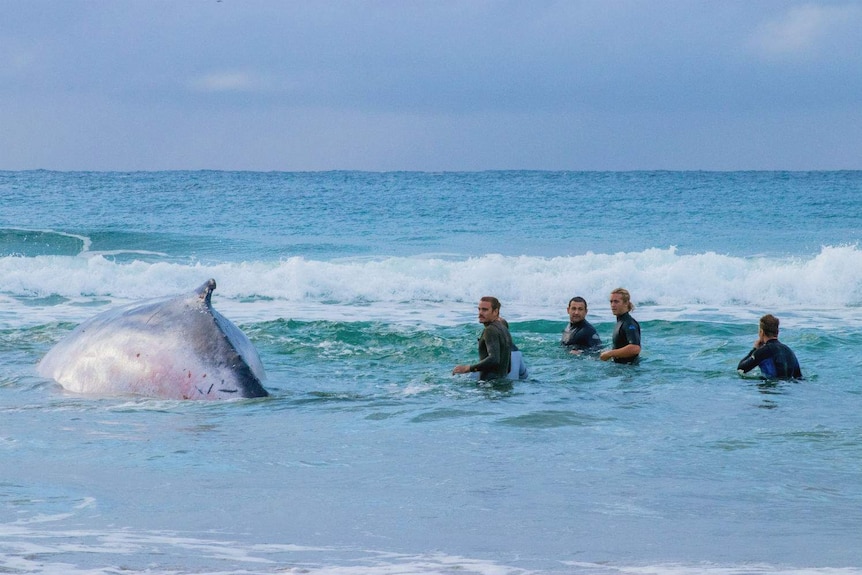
x: 769, y: 325
x: 621, y: 301
x: 577, y: 309
x: 489, y: 309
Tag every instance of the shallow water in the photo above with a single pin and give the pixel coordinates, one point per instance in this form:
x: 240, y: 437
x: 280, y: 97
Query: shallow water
x: 369, y: 457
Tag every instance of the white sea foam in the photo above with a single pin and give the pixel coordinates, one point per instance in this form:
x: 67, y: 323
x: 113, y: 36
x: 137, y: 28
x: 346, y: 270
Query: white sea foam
x: 45, y: 552
x: 664, y: 284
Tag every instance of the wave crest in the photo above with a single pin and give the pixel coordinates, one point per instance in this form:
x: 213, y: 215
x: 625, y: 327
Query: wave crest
x: 527, y: 286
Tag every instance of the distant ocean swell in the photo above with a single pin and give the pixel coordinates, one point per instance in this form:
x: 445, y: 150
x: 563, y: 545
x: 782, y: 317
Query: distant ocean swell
x: 658, y: 277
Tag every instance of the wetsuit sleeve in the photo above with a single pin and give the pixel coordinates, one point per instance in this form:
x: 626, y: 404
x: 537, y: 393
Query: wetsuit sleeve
x: 632, y: 333
x: 749, y: 362
x: 593, y: 340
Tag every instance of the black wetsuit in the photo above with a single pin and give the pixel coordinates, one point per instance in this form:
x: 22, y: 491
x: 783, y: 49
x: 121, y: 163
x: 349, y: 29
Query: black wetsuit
x: 627, y: 331
x: 775, y: 360
x: 495, y: 352
x: 581, y: 335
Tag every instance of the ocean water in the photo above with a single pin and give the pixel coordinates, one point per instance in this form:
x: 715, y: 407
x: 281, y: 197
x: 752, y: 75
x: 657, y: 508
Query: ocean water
x: 359, y: 291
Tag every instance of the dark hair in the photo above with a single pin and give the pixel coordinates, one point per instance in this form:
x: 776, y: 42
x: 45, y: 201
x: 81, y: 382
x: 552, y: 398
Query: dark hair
x: 578, y: 299
x: 769, y: 325
x: 495, y: 303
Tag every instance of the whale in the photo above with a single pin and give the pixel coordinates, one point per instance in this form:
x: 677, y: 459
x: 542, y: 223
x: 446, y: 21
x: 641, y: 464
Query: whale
x: 174, y: 348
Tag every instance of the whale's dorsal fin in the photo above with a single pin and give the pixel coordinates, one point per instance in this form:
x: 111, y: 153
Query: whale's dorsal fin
x: 205, y: 292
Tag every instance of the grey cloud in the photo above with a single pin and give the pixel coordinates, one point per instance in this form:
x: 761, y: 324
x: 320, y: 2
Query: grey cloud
x: 437, y: 84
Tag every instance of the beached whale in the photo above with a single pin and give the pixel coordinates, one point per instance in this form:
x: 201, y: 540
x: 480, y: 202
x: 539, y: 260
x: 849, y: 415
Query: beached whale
x: 178, y: 347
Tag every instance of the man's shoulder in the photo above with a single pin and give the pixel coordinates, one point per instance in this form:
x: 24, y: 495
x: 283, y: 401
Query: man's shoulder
x: 496, y: 327
x: 769, y: 349
x: 784, y: 347
x: 630, y: 321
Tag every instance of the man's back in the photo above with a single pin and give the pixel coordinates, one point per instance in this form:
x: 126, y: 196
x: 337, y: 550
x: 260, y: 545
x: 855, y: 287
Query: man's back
x: 496, y: 342
x: 774, y: 359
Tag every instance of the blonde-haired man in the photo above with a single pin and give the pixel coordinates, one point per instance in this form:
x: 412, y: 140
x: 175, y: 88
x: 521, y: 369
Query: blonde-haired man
x: 627, y: 332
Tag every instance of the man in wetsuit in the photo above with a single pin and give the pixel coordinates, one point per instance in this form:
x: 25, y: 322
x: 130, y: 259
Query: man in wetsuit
x: 775, y: 360
x: 495, y: 343
x: 579, y: 336
x: 627, y: 332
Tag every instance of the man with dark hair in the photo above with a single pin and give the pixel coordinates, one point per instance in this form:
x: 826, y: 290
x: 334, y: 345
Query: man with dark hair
x: 627, y: 332
x: 775, y: 360
x: 495, y: 343
x: 579, y: 335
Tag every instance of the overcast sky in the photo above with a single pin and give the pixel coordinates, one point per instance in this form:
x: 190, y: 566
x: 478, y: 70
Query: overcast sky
x: 430, y: 85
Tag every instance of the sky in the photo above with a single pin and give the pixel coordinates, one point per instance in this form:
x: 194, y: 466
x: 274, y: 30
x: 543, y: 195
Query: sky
x: 430, y: 85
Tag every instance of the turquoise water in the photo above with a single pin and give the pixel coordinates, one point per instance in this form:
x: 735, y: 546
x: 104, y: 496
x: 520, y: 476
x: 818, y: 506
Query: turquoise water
x: 359, y: 292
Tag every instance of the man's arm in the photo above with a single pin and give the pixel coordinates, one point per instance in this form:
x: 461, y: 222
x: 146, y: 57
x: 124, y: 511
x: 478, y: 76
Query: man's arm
x: 493, y: 344
x: 624, y: 352
x: 631, y: 349
x: 591, y: 339
x: 749, y: 362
